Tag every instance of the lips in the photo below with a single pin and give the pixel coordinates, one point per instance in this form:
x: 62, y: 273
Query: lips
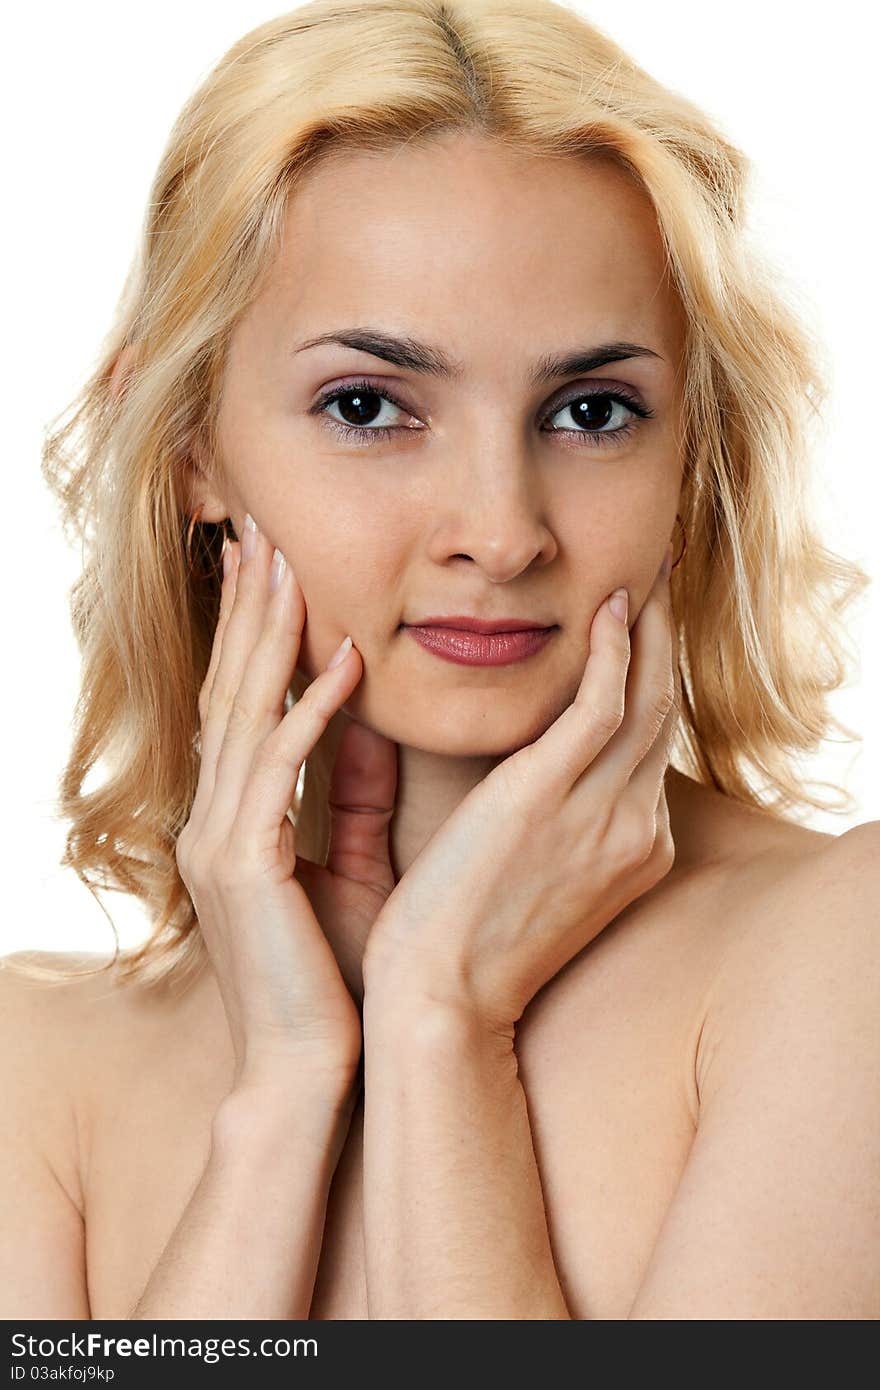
x: 466, y: 647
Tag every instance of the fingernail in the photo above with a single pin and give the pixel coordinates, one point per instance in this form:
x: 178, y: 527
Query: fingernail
x: 666, y: 567
x: 227, y: 557
x: 619, y: 604
x: 340, y: 654
x: 277, y: 572
x: 249, y: 538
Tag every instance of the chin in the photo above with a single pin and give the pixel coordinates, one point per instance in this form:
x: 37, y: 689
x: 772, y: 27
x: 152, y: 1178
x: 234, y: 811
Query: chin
x: 458, y: 737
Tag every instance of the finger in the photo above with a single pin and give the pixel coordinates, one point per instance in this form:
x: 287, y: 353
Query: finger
x: 208, y: 742
x: 651, y: 771
x: 271, y: 784
x: 575, y: 739
x: 650, y: 692
x: 647, y: 781
x: 241, y: 630
x: 363, y: 789
x: 231, y: 559
x: 262, y: 662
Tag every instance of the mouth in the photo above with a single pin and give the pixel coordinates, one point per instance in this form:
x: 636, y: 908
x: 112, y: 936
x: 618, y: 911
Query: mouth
x: 463, y: 622
x: 491, y: 645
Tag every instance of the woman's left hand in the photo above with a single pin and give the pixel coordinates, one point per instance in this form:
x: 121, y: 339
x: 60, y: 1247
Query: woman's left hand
x: 553, y: 844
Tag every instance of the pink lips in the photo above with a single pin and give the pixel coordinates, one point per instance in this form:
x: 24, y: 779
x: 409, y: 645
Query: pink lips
x: 468, y: 648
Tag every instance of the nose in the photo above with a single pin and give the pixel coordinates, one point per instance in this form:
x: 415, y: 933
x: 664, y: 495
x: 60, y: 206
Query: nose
x: 493, y: 512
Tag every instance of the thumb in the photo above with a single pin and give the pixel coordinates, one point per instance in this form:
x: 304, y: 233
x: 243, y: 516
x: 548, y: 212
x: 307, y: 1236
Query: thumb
x: 363, y: 789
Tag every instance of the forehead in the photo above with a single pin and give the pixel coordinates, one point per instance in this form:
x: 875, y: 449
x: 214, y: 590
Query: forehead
x: 461, y: 226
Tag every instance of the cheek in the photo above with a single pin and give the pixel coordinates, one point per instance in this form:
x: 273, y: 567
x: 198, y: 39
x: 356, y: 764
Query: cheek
x: 348, y: 587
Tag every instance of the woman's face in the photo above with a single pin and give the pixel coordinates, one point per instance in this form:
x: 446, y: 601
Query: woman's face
x: 491, y: 486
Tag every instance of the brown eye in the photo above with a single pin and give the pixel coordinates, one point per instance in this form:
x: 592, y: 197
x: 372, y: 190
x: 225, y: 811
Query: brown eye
x: 359, y: 402
x: 607, y: 416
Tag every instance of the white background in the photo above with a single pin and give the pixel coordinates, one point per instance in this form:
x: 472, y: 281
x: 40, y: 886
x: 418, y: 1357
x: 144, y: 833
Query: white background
x: 91, y: 91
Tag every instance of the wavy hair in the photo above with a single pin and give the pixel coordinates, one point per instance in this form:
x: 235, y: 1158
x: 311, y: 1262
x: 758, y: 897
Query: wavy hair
x: 757, y: 598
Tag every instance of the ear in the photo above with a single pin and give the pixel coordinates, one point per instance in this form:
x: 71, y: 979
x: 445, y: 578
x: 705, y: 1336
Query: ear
x: 195, y: 488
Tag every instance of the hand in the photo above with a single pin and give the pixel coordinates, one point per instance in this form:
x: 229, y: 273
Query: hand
x: 548, y: 848
x: 349, y: 893
x: 286, y: 1001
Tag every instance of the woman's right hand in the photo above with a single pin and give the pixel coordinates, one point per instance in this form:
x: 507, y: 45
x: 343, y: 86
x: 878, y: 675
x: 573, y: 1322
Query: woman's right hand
x: 287, y: 1003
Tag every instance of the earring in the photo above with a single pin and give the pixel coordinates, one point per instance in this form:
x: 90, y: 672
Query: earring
x: 684, y: 542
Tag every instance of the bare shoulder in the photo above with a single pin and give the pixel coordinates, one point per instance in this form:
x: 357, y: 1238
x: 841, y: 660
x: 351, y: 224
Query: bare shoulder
x: 815, y: 892
x: 66, y: 1002
x: 801, y: 962
x: 73, y: 1036
x: 58, y: 1018
x: 74, y: 1041
x: 42, y: 1251
x: 782, y: 1169
x: 43, y: 994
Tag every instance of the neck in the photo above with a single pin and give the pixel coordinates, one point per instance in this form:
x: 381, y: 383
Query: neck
x: 430, y: 786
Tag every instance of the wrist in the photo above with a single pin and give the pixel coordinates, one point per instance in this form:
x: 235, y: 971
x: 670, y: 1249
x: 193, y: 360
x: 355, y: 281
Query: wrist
x: 281, y: 1111
x: 405, y: 1006
x: 282, y: 1076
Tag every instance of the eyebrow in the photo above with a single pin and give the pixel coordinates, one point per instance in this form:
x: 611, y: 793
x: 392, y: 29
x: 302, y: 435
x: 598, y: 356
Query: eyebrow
x: 414, y: 356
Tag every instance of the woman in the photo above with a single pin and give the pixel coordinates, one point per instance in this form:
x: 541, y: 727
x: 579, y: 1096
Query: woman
x: 443, y: 311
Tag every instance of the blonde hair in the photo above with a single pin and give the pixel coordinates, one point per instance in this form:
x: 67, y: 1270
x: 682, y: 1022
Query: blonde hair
x: 758, y: 599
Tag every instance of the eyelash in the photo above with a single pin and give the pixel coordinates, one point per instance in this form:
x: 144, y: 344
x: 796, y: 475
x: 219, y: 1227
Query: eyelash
x: 604, y: 438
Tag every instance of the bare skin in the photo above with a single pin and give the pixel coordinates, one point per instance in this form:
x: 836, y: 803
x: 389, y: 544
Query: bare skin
x: 608, y: 1053
x: 472, y: 506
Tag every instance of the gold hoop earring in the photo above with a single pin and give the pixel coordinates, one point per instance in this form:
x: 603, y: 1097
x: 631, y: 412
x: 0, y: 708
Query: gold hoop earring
x: 684, y: 542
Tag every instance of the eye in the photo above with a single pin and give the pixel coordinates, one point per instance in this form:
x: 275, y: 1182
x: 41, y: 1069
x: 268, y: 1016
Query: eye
x: 360, y: 401
x: 598, y: 418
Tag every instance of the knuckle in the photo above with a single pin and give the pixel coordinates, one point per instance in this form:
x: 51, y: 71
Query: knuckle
x: 182, y: 852
x: 232, y: 869
x: 634, y: 836
x: 242, y: 721
x: 196, y: 861
x: 660, y: 700
x: 605, y: 718
x: 660, y: 860
x: 516, y: 776
x: 663, y: 692
x: 221, y: 693
x: 270, y: 757
x: 203, y: 705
